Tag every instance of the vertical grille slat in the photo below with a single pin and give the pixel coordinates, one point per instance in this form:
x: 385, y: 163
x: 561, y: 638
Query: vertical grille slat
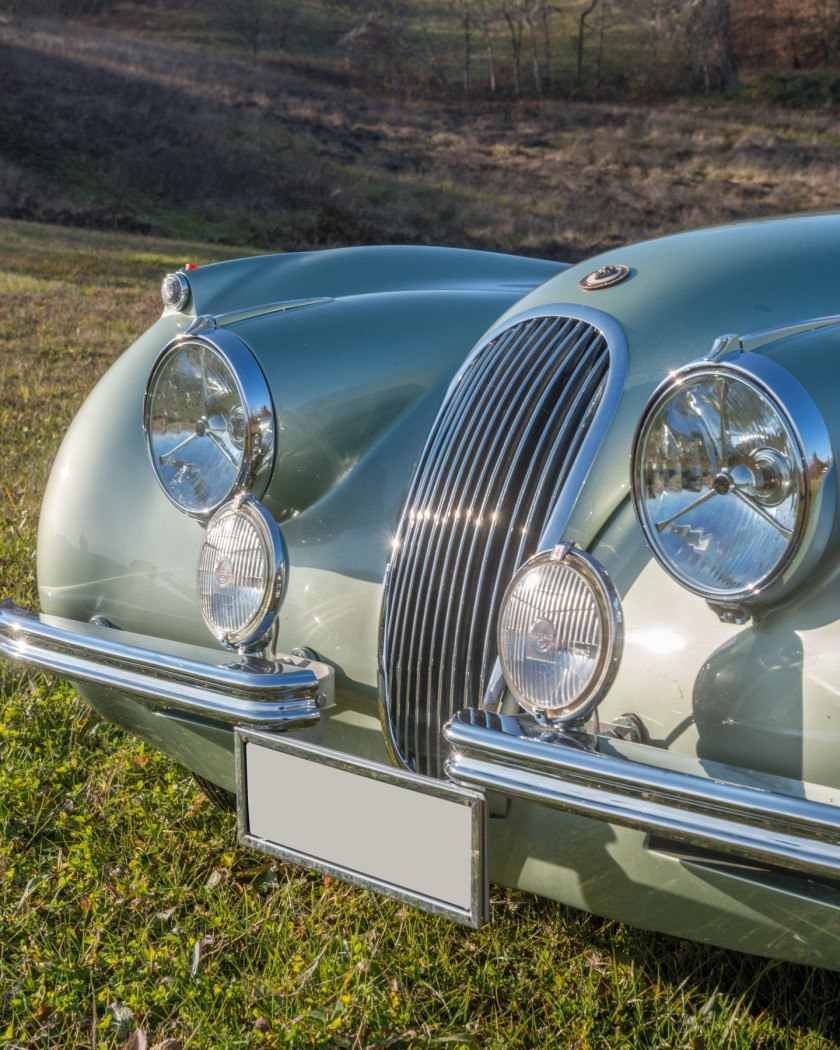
x: 438, y: 461
x: 533, y: 505
x: 481, y: 495
x: 496, y: 427
x: 512, y: 465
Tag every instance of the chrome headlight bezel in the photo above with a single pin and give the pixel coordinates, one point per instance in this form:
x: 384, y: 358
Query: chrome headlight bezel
x: 251, y: 633
x: 813, y: 456
x: 612, y: 633
x: 258, y: 426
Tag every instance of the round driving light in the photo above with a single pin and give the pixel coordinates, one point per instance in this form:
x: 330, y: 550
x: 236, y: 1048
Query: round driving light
x: 175, y: 291
x: 722, y: 483
x: 209, y: 423
x: 560, y: 634
x: 241, y: 573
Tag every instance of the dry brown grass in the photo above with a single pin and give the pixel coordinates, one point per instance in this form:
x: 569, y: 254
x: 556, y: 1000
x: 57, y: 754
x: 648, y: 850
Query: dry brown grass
x: 103, y: 129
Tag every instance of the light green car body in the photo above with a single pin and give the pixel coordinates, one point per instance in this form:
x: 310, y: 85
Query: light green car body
x: 357, y: 381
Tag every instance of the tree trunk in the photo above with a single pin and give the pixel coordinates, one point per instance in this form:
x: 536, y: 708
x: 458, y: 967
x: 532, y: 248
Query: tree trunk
x: 723, y: 26
x: 581, y: 27
x: 465, y: 23
x: 488, y: 44
x: 516, y: 49
x: 600, y: 49
x: 535, y: 55
x: 546, y: 14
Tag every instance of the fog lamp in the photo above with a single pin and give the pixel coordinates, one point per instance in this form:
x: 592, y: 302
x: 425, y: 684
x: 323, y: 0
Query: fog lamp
x: 241, y: 573
x: 560, y: 634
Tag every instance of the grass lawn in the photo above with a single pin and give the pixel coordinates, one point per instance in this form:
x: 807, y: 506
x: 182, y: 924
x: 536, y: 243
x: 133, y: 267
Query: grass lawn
x: 128, y: 911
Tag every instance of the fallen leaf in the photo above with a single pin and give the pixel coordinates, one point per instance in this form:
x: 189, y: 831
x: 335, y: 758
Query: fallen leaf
x: 161, y: 920
x: 267, y: 881
x: 122, y: 1018
x: 137, y: 1040
x: 214, y: 880
x: 31, y: 886
x: 198, y: 959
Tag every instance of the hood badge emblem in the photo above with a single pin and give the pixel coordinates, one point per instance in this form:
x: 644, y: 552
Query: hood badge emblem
x: 604, y: 276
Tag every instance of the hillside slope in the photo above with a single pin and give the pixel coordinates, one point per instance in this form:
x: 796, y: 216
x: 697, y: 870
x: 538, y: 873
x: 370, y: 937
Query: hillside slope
x: 111, y: 130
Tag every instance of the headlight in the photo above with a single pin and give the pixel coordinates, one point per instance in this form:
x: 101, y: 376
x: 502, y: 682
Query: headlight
x: 241, y: 573
x: 727, y: 464
x: 560, y: 634
x: 209, y: 423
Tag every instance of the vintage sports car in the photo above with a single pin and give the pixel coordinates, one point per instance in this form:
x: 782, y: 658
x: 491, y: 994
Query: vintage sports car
x: 457, y: 567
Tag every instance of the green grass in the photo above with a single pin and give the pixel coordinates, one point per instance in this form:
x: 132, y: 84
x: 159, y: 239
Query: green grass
x: 123, y: 890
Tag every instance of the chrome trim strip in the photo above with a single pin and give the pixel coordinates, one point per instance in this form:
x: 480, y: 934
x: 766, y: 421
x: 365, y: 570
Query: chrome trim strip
x: 570, y: 485
x: 517, y: 757
x: 731, y: 343
x: 478, y: 913
x: 250, y: 691
x: 205, y: 321
x: 754, y: 340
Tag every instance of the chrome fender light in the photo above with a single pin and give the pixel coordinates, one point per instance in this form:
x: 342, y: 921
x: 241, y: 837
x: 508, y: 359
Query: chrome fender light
x: 175, y: 291
x: 561, y: 634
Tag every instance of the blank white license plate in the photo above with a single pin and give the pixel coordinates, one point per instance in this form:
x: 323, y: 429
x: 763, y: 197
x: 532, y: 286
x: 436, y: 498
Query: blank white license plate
x: 413, y: 838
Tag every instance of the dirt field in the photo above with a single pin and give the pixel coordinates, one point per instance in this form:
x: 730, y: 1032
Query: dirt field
x: 115, y: 131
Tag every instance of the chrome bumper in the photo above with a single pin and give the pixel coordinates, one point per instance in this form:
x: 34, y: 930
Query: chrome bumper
x: 221, y: 687
x: 519, y: 758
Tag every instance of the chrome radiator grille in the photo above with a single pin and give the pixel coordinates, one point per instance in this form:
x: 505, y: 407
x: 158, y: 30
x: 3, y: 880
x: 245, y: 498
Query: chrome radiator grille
x: 481, y: 496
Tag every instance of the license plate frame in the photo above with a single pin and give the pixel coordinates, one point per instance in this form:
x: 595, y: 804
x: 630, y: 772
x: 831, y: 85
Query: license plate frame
x: 323, y: 808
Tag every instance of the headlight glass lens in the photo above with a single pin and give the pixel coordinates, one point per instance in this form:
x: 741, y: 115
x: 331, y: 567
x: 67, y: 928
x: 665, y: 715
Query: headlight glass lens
x: 241, y: 573
x: 204, y: 439
x: 719, y: 483
x: 560, y: 634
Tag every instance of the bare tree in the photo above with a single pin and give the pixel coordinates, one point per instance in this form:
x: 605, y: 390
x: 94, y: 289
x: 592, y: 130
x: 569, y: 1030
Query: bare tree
x: 465, y: 28
x: 511, y: 11
x: 256, y: 23
x: 705, y: 29
x: 585, y: 13
x: 529, y: 11
x: 690, y: 42
x: 828, y: 27
x: 545, y: 11
x: 599, y: 50
x: 484, y: 20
